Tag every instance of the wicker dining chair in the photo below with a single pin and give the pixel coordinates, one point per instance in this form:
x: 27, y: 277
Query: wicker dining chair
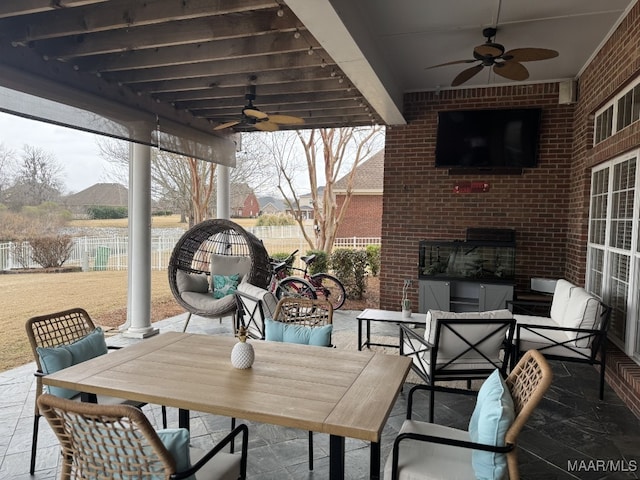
x: 55, y: 330
x: 428, y: 451
x: 117, y: 441
x: 308, y: 317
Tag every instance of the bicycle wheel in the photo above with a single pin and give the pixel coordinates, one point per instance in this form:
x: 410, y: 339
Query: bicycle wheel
x: 295, y: 287
x: 329, y: 287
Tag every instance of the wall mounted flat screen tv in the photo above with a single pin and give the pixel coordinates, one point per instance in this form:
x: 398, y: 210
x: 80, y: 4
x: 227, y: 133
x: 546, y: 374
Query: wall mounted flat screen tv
x: 492, y: 140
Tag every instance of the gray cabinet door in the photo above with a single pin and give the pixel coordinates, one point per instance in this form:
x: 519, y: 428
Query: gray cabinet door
x: 494, y: 297
x: 434, y: 295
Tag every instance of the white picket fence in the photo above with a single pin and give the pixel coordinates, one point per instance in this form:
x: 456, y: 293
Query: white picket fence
x: 110, y: 252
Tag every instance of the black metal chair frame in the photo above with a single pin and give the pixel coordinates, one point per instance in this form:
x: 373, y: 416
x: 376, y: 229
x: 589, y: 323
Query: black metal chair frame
x: 252, y: 316
x: 596, y: 337
x: 192, y: 254
x: 505, y: 327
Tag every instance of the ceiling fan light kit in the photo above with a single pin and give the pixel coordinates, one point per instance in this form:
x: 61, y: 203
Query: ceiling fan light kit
x: 507, y: 64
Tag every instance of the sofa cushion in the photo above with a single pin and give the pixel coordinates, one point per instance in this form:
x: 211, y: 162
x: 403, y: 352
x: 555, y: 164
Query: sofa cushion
x: 493, y: 415
x: 191, y: 282
x: 560, y: 300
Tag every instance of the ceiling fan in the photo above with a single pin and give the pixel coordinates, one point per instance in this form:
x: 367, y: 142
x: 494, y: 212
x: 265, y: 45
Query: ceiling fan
x: 506, y: 64
x: 252, y: 116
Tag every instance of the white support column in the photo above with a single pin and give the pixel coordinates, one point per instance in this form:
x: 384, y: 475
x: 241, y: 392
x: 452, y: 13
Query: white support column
x: 138, y: 323
x: 223, y: 195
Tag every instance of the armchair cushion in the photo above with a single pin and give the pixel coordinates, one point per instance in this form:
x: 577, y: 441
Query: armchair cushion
x: 53, y: 359
x: 191, y: 282
x: 283, y: 332
x: 224, y: 285
x: 228, y: 265
x: 434, y: 315
x: 493, y: 415
x: 176, y: 440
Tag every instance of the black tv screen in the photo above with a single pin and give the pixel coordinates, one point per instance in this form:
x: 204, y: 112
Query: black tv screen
x: 488, y: 139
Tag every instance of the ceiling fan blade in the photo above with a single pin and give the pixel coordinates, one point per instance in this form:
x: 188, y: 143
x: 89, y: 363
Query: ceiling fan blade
x: 489, y: 50
x: 529, y: 54
x: 511, y: 70
x: 286, y: 120
x: 267, y: 126
x: 466, y: 75
x: 222, y: 126
x: 455, y: 62
x: 254, y: 113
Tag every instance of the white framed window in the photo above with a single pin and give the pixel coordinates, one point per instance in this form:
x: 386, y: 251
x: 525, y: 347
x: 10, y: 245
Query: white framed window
x: 618, y: 113
x: 613, y: 250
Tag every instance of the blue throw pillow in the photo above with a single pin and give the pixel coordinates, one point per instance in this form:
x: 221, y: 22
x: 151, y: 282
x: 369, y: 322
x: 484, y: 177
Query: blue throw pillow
x: 176, y: 440
x: 289, y: 333
x: 492, y: 417
x: 224, y: 285
x: 56, y: 358
x: 273, y: 331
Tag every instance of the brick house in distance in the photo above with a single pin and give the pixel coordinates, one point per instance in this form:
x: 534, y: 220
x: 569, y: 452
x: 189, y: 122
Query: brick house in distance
x: 363, y: 217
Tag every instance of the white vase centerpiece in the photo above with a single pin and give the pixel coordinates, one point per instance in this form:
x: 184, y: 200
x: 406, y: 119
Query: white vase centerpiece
x: 242, y: 354
x: 406, y: 303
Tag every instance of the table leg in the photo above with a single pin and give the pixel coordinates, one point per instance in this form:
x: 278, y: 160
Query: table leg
x: 183, y: 418
x: 369, y: 334
x: 374, y: 467
x: 336, y: 457
x: 359, y: 334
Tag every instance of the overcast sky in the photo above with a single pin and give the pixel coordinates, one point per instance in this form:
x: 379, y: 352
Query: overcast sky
x: 75, y: 151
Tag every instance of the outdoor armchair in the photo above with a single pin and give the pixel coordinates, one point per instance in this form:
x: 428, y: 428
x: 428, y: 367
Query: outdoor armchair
x: 487, y: 449
x: 572, y: 327
x: 458, y: 346
x: 59, y: 340
x: 254, y: 306
x: 117, y: 441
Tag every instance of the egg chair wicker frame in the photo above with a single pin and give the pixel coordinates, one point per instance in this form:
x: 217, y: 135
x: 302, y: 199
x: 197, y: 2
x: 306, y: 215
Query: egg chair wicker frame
x: 192, y: 254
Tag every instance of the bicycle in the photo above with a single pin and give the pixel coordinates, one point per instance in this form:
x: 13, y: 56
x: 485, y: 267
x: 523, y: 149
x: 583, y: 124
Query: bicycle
x: 319, y: 285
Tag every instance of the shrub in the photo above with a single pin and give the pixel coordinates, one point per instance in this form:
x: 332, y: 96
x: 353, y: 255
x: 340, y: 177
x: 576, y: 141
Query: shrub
x: 267, y: 220
x: 320, y: 264
x: 350, y: 266
x: 373, y: 258
x: 104, y: 212
x: 51, y: 252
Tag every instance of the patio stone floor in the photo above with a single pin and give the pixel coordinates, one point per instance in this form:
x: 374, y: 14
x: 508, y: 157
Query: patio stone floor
x: 572, y: 434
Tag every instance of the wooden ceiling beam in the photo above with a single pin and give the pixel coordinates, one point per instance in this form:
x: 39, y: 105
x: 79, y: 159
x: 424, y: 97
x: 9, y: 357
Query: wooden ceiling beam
x: 196, y: 52
x: 14, y: 8
x: 115, y: 14
x: 165, y: 34
x: 237, y: 66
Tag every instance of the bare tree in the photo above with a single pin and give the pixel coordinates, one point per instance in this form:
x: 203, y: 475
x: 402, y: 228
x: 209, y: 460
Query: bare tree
x: 37, y: 179
x: 7, y: 169
x: 326, y: 155
x: 186, y: 183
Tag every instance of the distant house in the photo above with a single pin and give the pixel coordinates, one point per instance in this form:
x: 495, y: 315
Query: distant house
x: 98, y: 195
x: 244, y: 203
x: 363, y: 217
x: 271, y: 205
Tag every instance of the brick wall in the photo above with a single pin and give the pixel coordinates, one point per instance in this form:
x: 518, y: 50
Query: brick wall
x: 419, y: 201
x: 548, y: 206
x: 363, y: 217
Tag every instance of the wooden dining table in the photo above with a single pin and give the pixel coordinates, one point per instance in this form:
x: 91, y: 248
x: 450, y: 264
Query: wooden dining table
x: 338, y: 392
